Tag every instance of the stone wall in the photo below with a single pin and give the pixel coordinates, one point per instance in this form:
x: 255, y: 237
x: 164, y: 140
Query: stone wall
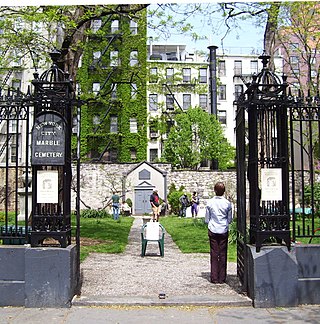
x: 98, y: 181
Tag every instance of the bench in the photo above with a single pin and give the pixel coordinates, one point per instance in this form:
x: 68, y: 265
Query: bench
x: 152, y: 232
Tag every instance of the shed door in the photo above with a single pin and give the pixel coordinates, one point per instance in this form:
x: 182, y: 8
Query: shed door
x: 142, y: 201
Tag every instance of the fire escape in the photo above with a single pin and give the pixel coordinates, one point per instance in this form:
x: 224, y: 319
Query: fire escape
x: 96, y: 66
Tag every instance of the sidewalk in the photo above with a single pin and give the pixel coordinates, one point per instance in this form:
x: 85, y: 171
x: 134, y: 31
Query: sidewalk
x: 129, y: 279
x: 124, y: 289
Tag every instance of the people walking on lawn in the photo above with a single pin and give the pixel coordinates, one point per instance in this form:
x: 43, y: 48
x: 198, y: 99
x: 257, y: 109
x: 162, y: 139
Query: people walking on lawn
x: 194, y: 204
x: 115, y: 205
x: 184, y: 202
x: 155, y: 205
x: 218, y: 217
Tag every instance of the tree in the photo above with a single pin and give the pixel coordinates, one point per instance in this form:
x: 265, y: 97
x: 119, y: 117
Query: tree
x: 197, y: 136
x: 299, y: 41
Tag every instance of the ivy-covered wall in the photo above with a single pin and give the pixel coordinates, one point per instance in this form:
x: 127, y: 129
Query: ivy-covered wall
x: 122, y: 95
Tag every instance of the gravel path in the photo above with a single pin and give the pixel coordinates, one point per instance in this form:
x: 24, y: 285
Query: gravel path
x: 129, y: 274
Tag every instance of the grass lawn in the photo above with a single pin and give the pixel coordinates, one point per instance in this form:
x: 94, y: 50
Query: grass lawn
x: 104, y: 235
x: 191, y: 235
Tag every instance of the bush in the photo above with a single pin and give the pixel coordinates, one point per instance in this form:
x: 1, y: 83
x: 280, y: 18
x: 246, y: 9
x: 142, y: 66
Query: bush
x: 93, y: 213
x: 173, y: 198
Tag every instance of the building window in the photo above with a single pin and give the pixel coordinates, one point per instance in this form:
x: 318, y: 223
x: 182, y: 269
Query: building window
x: 133, y: 58
x: 134, y: 90
x: 13, y: 155
x: 153, y: 75
x: 113, y: 155
x: 238, y: 90
x: 203, y: 101
x: 133, y: 154
x: 96, y: 88
x: 222, y: 68
x: 96, y: 57
x: 170, y: 102
x: 113, y: 124
x: 114, y: 26
x: 294, y: 63
x: 96, y: 120
x: 222, y: 116
x: 114, y: 58
x: 114, y: 91
x: 294, y: 47
x: 169, y: 75
x: 16, y: 84
x: 13, y: 123
x: 186, y: 101
x: 254, y: 67
x: 153, y: 155
x: 133, y: 27
x: 203, y: 78
x: 186, y: 75
x: 96, y: 25
x: 153, y: 132
x: 222, y: 92
x: 153, y: 102
x: 237, y: 67
x: 133, y: 125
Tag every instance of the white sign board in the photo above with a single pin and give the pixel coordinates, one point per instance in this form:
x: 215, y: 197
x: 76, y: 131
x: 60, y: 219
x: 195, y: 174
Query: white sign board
x: 47, y: 187
x: 271, y: 184
x: 152, y: 231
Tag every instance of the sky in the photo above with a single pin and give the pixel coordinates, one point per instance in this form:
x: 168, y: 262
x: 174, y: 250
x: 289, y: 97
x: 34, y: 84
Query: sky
x: 240, y: 41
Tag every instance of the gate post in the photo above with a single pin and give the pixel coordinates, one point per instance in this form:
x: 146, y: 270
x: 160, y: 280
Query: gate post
x: 51, y: 156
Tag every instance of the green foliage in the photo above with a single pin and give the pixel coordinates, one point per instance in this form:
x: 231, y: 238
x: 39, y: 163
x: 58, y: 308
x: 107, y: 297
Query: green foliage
x: 315, y: 191
x: 105, y: 234
x: 173, y: 198
x: 93, y: 213
x: 191, y: 235
x: 197, y: 136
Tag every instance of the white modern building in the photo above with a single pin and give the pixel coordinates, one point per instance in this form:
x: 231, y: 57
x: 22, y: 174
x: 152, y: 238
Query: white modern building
x: 179, y: 79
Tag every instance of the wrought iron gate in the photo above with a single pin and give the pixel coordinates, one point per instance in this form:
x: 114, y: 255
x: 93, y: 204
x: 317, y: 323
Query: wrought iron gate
x: 35, y: 135
x: 277, y: 151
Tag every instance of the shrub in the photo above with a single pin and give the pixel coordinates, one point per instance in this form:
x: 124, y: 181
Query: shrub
x: 173, y: 198
x: 93, y: 213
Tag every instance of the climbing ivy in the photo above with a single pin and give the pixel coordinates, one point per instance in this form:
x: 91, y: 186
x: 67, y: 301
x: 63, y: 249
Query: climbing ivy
x: 96, y: 137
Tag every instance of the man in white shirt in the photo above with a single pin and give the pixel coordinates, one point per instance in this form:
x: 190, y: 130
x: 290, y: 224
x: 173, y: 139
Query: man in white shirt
x: 218, y: 218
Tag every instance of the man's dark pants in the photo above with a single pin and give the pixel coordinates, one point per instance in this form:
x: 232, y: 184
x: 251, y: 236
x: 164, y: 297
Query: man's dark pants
x: 218, y: 256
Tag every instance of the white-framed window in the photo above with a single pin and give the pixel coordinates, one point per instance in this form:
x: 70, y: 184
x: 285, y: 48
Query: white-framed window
x: 114, y: 26
x: 254, y: 67
x: 238, y: 90
x: 134, y: 90
x: 96, y: 57
x: 96, y: 120
x: 153, y: 155
x: 153, y: 102
x: 96, y: 25
x: 16, y: 84
x: 186, y: 101
x: 203, y: 101
x: 13, y: 153
x: 133, y: 27
x: 96, y: 87
x: 169, y: 75
x: 222, y: 116
x: 133, y: 125
x: 203, y: 75
x: 13, y: 123
x: 153, y: 72
x: 170, y: 102
x: 134, y: 58
x: 186, y: 73
x: 237, y: 67
x: 222, y: 68
x: 113, y: 124
x: 114, y: 58
x: 222, y: 92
